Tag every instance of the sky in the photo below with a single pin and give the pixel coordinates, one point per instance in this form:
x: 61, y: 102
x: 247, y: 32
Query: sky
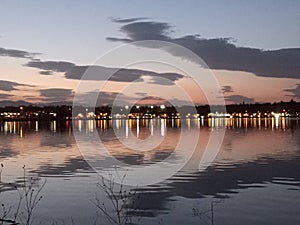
x: 251, y: 48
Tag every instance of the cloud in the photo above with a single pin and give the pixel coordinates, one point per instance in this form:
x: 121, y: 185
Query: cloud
x: 101, y: 73
x: 141, y: 94
x: 149, y: 100
x: 218, y: 53
x: 295, y: 91
x: 51, y: 66
x: 227, y: 89
x: 128, y: 20
x: 119, y: 99
x: 33, y: 98
x: 139, y: 31
x: 46, y: 72
x: 11, y: 86
x: 7, y: 85
x: 5, y: 96
x: 56, y: 94
x: 102, y: 98
x: 126, y: 40
x: 236, y: 99
x: 17, y: 53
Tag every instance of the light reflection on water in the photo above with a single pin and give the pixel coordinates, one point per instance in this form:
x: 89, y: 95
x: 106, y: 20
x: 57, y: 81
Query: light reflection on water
x: 256, y: 171
x: 14, y: 127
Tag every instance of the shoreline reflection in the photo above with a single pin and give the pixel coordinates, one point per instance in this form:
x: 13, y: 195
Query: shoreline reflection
x: 257, y: 155
x: 89, y: 126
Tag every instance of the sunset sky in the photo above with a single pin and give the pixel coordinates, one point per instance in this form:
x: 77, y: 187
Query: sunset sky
x: 251, y: 47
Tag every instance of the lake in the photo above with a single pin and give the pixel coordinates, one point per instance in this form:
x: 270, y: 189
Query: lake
x: 252, y: 177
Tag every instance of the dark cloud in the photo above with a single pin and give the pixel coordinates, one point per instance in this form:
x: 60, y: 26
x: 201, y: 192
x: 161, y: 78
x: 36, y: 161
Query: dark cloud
x: 127, y: 20
x: 126, y: 40
x: 219, y: 53
x: 102, y: 98
x: 7, y: 85
x: 182, y: 102
x: 140, y: 31
x: 227, y: 89
x: 153, y: 98
x: 142, y: 94
x: 146, y: 100
x: 236, y: 99
x: 100, y: 73
x: 119, y: 99
x: 10, y: 86
x: 46, y: 72
x: 5, y: 96
x: 51, y: 66
x: 56, y: 94
x: 295, y: 91
x: 17, y: 53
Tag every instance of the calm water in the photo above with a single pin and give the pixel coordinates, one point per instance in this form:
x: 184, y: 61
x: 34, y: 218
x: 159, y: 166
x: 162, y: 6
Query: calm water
x: 255, y: 178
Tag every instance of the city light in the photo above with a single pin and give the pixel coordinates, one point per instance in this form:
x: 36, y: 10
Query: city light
x: 147, y: 111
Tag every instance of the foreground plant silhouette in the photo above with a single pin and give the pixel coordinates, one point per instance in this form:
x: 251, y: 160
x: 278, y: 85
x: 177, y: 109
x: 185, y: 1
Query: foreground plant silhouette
x: 207, y: 216
x: 120, y: 209
x: 29, y: 195
x: 122, y: 204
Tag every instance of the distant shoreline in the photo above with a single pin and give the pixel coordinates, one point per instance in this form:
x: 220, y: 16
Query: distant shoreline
x: 289, y: 109
x: 102, y: 119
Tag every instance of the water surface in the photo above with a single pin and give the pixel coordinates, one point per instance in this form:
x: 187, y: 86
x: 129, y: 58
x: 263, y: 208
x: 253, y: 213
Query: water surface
x: 255, y: 178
